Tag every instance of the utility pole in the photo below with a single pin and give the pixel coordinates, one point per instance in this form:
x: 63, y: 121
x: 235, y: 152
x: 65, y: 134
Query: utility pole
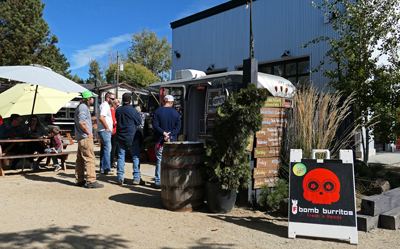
x: 116, y: 84
x: 251, y: 31
x: 250, y: 65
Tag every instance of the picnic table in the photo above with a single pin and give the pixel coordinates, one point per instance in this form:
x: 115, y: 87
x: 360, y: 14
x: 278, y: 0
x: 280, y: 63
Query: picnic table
x: 66, y: 133
x: 5, y: 155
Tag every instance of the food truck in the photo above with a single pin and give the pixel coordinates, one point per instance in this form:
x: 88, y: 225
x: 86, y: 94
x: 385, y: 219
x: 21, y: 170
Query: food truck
x: 197, y: 97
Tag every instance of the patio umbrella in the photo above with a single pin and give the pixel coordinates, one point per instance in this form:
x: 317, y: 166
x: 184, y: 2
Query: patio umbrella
x: 42, y: 76
x: 21, y: 98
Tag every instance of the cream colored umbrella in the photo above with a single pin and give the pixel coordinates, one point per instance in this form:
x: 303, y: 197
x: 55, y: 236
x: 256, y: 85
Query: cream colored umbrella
x: 20, y: 99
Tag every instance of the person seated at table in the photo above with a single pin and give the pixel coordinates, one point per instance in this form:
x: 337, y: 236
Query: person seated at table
x: 12, y: 126
x: 12, y: 129
x: 55, y: 147
x: 32, y: 130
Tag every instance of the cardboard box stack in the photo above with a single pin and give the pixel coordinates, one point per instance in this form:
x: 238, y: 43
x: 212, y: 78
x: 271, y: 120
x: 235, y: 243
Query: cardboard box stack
x: 268, y: 145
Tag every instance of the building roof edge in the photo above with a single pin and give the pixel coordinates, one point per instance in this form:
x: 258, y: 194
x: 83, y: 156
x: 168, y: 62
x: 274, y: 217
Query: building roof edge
x: 208, y: 12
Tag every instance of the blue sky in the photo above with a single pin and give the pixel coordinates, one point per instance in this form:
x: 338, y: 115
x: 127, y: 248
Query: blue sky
x: 86, y: 29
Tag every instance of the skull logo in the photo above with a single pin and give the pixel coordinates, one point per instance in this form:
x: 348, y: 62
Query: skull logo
x: 321, y: 186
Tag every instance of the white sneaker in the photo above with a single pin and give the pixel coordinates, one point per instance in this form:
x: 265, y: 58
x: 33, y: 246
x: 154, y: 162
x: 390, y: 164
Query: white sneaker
x: 57, y: 167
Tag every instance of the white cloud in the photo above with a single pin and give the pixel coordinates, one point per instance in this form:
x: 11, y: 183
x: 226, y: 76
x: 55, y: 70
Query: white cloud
x: 82, y: 57
x: 199, y: 6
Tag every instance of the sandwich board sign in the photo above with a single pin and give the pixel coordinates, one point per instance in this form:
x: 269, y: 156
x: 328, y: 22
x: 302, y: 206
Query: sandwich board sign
x: 322, y: 199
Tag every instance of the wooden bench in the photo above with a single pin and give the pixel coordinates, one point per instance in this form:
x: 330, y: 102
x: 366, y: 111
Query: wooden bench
x: 67, y: 141
x: 62, y: 155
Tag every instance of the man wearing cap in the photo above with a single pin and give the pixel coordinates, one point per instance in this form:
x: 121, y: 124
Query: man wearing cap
x: 128, y: 118
x: 85, y: 154
x: 104, y: 129
x: 167, y: 124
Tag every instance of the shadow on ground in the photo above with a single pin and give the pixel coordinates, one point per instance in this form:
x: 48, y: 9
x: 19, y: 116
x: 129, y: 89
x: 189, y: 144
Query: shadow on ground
x: 57, y: 237
x: 141, y: 197
x: 205, y: 243
x: 37, y: 177
x: 262, y: 224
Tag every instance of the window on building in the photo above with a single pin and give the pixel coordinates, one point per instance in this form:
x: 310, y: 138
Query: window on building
x: 296, y: 71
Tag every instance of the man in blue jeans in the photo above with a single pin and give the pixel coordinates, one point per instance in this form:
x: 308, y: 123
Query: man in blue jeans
x: 128, y: 118
x: 104, y: 129
x: 167, y: 124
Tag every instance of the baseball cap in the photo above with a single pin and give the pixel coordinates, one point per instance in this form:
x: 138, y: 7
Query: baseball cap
x: 169, y: 98
x: 86, y: 94
x: 126, y: 97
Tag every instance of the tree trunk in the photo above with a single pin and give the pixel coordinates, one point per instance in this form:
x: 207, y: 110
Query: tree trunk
x: 366, y: 144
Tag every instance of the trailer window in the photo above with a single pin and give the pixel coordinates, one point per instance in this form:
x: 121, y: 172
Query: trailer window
x: 215, y: 99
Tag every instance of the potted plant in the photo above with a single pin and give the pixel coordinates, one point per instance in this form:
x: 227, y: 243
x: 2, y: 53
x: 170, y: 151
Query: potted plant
x: 227, y: 163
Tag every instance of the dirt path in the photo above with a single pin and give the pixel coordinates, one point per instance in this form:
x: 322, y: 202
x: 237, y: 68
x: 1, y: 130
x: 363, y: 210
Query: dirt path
x: 45, y: 210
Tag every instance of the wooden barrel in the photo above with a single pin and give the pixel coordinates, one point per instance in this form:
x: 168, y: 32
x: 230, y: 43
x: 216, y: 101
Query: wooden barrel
x: 182, y: 188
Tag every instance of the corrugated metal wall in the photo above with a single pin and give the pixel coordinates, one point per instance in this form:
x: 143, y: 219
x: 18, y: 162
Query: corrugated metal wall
x: 223, y: 39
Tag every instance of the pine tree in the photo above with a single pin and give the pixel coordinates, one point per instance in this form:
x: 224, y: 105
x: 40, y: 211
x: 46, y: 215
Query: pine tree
x: 95, y: 74
x: 26, y: 39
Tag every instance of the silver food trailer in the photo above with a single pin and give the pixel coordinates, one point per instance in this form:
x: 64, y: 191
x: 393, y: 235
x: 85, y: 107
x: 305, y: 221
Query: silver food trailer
x: 197, y: 97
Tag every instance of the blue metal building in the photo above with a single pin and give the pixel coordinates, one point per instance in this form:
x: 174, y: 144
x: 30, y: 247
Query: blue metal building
x: 218, y: 39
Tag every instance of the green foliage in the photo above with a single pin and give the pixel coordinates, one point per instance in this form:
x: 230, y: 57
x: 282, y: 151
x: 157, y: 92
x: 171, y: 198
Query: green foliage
x: 366, y: 31
x: 26, y: 39
x: 95, y: 74
x: 227, y: 161
x: 76, y: 79
x: 148, y: 50
x: 271, y: 197
x: 363, y: 170
x: 134, y: 74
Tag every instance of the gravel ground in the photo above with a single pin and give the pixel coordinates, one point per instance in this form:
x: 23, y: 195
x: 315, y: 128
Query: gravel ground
x: 44, y: 209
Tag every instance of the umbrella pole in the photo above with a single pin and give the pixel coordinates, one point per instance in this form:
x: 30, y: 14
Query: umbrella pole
x: 33, y: 108
x: 34, y: 100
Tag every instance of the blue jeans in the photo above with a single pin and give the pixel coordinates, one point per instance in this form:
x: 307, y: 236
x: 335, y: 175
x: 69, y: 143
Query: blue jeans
x: 158, y: 165
x: 134, y: 149
x: 105, y: 150
x: 54, y: 158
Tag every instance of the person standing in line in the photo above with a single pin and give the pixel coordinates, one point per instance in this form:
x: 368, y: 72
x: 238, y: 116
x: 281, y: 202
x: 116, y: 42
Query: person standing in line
x: 104, y: 129
x: 114, y: 143
x: 128, y: 118
x: 140, y: 127
x: 83, y: 134
x: 143, y: 115
x: 167, y: 124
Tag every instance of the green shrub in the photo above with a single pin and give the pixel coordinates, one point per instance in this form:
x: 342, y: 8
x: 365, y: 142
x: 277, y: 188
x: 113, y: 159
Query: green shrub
x: 226, y: 160
x: 271, y: 197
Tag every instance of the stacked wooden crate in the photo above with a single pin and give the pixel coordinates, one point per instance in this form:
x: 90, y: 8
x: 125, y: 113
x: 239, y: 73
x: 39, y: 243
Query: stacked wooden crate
x: 268, y: 143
